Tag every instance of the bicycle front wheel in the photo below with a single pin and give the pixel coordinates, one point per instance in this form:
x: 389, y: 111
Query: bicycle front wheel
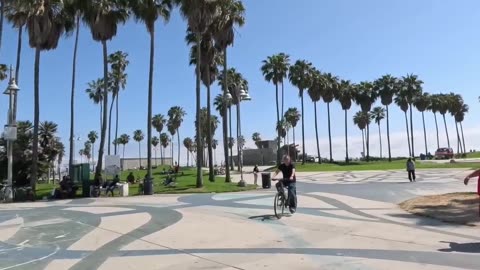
x: 279, y: 205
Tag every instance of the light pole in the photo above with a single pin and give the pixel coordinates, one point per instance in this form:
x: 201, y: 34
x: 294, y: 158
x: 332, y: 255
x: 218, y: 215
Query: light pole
x: 11, y: 131
x: 240, y: 95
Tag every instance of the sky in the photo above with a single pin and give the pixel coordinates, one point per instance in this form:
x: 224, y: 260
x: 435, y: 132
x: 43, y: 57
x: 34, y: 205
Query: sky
x: 355, y: 40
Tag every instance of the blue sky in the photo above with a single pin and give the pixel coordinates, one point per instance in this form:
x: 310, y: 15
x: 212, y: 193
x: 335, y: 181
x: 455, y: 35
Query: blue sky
x: 356, y: 40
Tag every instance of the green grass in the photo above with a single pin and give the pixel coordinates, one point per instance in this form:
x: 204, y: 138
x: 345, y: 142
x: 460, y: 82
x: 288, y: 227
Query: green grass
x: 473, y: 155
x: 379, y: 166
x: 186, y: 183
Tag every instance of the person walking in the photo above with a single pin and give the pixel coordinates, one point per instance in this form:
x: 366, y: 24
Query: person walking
x: 411, y: 170
x: 467, y: 179
x: 255, y: 174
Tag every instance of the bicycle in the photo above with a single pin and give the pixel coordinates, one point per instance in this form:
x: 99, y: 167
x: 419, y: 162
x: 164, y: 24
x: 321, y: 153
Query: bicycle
x: 280, y: 200
x: 6, y: 192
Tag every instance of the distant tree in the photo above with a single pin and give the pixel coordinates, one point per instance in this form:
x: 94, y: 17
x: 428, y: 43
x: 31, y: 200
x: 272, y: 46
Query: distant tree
x: 377, y: 115
x: 256, y: 139
x: 138, y: 137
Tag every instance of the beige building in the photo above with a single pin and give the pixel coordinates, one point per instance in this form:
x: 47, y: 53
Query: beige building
x: 133, y: 163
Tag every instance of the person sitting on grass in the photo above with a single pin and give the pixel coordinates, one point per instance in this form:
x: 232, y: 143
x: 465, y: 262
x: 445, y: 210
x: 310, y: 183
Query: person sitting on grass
x: 467, y: 179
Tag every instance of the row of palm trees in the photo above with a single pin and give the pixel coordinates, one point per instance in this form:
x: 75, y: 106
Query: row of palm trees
x: 406, y: 92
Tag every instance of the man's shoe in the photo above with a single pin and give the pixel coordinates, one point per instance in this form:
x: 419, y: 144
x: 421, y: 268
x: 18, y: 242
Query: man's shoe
x: 293, y: 210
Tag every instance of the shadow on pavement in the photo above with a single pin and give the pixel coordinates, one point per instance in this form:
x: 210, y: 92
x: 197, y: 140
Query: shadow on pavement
x: 464, y: 248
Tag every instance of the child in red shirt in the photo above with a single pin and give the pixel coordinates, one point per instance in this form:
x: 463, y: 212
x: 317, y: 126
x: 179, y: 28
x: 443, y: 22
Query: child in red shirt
x: 474, y: 174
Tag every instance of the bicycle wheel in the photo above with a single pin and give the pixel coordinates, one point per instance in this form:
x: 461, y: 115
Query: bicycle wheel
x: 279, y: 205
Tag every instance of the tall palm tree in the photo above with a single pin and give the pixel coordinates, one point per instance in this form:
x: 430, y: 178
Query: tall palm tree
x: 95, y: 93
x: 456, y: 103
x: 138, y: 137
x: 124, y: 139
x: 331, y: 89
x: 387, y: 87
x: 459, y: 117
x: 118, y: 64
x: 443, y: 106
x: 199, y: 15
x: 292, y: 116
x: 155, y: 142
x: 214, y: 146
x: 345, y: 96
x: 46, y: 22
x: 47, y: 133
x: 365, y: 96
x: 402, y: 102
x: 362, y: 120
x: 300, y: 76
x: 158, y: 122
x: 315, y: 91
x: 188, y: 143
x: 256, y: 139
x: 176, y: 115
x: 172, y: 130
x: 164, y: 141
x: 92, y: 138
x: 435, y: 108
x: 422, y: 103
x: 378, y: 114
x: 148, y: 12
x: 412, y: 88
x: 61, y: 153
x: 103, y: 18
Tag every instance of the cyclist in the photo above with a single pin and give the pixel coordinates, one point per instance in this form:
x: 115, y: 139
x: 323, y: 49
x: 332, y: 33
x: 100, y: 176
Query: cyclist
x: 289, y: 180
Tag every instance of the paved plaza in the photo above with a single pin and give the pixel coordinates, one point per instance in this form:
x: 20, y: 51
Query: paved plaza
x: 345, y: 220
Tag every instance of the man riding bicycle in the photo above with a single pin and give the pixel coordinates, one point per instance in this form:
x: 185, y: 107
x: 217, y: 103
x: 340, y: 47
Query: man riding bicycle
x: 289, y: 181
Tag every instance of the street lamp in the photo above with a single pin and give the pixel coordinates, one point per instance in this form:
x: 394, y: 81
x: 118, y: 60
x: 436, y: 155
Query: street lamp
x: 241, y: 95
x: 10, y: 133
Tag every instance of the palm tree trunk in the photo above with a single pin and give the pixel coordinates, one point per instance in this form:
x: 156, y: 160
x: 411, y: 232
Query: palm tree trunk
x: 139, y: 154
x: 72, y: 99
x: 294, y: 144
x: 436, y: 126
x: 238, y: 136
x: 283, y: 99
x: 347, y: 159
x: 278, y: 131
x: 98, y: 169
x: 463, y: 138
x: 211, y: 175
x: 101, y: 116
x: 17, y: 69
x: 116, y: 124
x: 408, y: 135
x: 93, y: 153
x: 446, y: 130
x: 188, y: 158
x: 425, y: 133
x: 110, y: 122
x: 363, y: 141
x: 329, y: 132
x: 155, y: 149
x: 388, y: 136
x: 303, y: 130
x: 368, y: 142
x: 178, y: 147
x: 411, y: 130
x: 380, y: 137
x: 224, y: 118
x: 316, y: 131
x: 36, y: 119
x: 150, y: 100
x: 199, y: 126
x: 459, y: 144
x: 124, y: 151
x: 231, y: 147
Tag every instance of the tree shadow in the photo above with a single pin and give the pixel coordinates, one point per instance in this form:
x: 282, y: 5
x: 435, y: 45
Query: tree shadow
x: 463, y: 248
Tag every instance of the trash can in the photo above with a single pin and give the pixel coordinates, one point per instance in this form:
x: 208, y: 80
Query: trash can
x: 266, y: 180
x: 147, y: 187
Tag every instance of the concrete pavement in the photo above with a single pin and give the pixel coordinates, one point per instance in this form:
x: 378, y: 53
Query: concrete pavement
x: 345, y: 220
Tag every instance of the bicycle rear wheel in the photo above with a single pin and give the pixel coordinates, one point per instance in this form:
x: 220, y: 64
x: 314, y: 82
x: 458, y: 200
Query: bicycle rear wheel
x: 279, y: 205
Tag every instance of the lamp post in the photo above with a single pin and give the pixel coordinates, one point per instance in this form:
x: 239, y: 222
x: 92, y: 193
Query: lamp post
x: 241, y: 95
x: 10, y: 130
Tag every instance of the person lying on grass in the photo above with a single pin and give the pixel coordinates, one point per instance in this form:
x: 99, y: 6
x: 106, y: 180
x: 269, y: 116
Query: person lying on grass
x: 465, y: 181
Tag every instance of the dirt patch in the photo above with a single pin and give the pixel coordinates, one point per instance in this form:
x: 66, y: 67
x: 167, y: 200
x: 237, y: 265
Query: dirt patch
x: 459, y: 208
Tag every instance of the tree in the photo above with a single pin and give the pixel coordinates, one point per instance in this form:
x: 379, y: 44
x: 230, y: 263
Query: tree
x: 459, y: 117
x: 214, y: 146
x: 155, y: 142
x: 315, y: 91
x: 435, y: 108
x: 411, y: 88
x: 164, y: 141
x: 103, y: 18
x: 378, y: 114
x: 292, y: 116
x: 158, y: 122
x: 172, y: 130
x: 365, y: 96
x: 300, y: 76
x: 46, y: 22
x: 257, y: 139
x: 345, y: 96
x: 176, y: 115
x: 402, y: 102
x: 456, y: 104
x: 188, y: 143
x: 118, y: 64
x: 387, y: 87
x: 328, y: 95
x: 92, y: 138
x: 61, y: 153
x: 94, y: 92
x: 138, y: 137
x: 362, y: 120
x: 443, y: 106
x: 124, y: 139
x: 422, y: 103
x: 148, y: 12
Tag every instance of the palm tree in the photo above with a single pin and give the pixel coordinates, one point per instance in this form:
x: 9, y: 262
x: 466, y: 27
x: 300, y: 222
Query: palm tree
x: 214, y: 146
x: 412, y: 88
x: 315, y: 91
x: 124, y: 139
x: 300, y: 76
x: 282, y: 129
x: 92, y: 138
x: 138, y: 137
x: 164, y: 141
x: 402, y: 102
x: 94, y: 92
x: 188, y: 143
x: 362, y: 120
x: 345, y: 96
x: 331, y: 85
x: 387, y: 87
x: 47, y: 133
x: 148, y: 12
x: 118, y: 64
x: 172, y: 130
x: 292, y: 116
x: 87, y: 151
x: 81, y: 152
x: 456, y: 103
x: 378, y: 114
x: 365, y: 97
x: 422, y: 103
x: 459, y: 117
x: 443, y: 106
x: 158, y: 122
x: 435, y: 108
x: 176, y: 115
x: 257, y: 139
x: 103, y: 18
x: 155, y: 142
x: 46, y: 22
x: 61, y: 153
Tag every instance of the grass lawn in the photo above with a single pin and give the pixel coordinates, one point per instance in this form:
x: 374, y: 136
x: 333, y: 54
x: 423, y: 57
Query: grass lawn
x: 186, y: 183
x: 473, y: 155
x: 378, y: 166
